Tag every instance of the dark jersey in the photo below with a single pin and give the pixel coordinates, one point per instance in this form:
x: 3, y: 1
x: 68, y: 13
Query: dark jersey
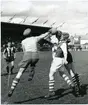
x: 59, y: 52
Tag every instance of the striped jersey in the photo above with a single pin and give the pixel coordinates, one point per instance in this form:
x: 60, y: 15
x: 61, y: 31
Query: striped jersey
x: 9, y: 52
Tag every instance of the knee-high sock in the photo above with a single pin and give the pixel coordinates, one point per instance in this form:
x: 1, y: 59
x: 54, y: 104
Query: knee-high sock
x: 67, y: 79
x: 51, y: 85
x: 51, y: 81
x: 17, y: 78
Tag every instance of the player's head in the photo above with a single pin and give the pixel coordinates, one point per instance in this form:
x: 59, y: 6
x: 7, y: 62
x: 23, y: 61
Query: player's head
x: 13, y: 44
x: 64, y: 36
x: 4, y: 45
x: 58, y: 34
x: 27, y: 32
x: 9, y: 44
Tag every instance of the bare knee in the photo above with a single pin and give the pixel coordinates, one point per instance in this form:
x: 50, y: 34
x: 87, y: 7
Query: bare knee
x: 21, y: 70
x: 51, y: 76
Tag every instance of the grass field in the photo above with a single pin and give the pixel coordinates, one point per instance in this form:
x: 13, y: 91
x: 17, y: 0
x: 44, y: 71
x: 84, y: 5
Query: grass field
x: 32, y: 92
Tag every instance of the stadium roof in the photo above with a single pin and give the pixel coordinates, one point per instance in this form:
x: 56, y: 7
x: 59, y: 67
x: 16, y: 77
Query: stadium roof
x: 69, y: 15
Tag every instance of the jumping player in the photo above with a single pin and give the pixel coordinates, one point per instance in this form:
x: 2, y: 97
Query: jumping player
x: 58, y: 62
x: 30, y: 57
x: 9, y: 55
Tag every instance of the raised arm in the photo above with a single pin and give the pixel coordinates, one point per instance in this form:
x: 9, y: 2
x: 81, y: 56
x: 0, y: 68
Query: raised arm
x: 52, y: 32
x: 43, y: 36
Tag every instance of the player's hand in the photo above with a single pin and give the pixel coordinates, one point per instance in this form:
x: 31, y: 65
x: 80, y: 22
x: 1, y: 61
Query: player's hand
x: 65, y: 62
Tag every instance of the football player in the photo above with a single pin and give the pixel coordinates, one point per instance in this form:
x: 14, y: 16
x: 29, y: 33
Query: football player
x: 58, y: 62
x: 30, y: 57
x: 9, y: 55
x: 69, y: 66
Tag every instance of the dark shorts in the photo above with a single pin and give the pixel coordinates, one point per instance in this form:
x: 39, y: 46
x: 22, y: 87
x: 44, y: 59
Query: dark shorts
x: 69, y: 57
x: 9, y: 59
x: 29, y: 58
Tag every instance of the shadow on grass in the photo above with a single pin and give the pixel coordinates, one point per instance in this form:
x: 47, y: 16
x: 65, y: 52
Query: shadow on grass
x: 63, y: 92
x: 84, y: 88
x: 58, y: 94
x: 31, y: 99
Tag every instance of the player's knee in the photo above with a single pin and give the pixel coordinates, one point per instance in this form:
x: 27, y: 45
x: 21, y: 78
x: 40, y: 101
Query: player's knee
x: 51, y: 76
x: 21, y: 70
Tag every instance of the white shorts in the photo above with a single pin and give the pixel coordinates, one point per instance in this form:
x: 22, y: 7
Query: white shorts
x: 56, y: 64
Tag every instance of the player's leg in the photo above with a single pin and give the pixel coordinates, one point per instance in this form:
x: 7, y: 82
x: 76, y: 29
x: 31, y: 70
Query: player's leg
x: 35, y: 59
x: 51, y: 81
x: 69, y: 66
x: 16, y: 81
x: 74, y: 76
x: 7, y: 66
x: 55, y: 65
x: 23, y: 65
x: 32, y: 71
x: 71, y: 71
x: 66, y: 78
x: 12, y: 66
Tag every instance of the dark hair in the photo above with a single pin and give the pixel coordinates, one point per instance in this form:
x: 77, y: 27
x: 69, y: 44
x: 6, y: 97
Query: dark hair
x: 65, y: 35
x: 58, y: 34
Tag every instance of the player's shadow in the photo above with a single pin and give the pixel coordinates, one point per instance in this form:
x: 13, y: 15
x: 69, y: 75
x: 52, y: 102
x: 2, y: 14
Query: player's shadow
x: 58, y: 94
x: 31, y: 99
x: 84, y: 88
x: 62, y: 92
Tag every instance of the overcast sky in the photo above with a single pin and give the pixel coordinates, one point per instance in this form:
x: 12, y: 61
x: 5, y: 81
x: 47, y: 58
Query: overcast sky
x: 73, y: 12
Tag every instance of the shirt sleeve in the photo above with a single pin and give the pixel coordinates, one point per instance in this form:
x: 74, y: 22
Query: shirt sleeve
x: 64, y: 49
x: 42, y: 36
